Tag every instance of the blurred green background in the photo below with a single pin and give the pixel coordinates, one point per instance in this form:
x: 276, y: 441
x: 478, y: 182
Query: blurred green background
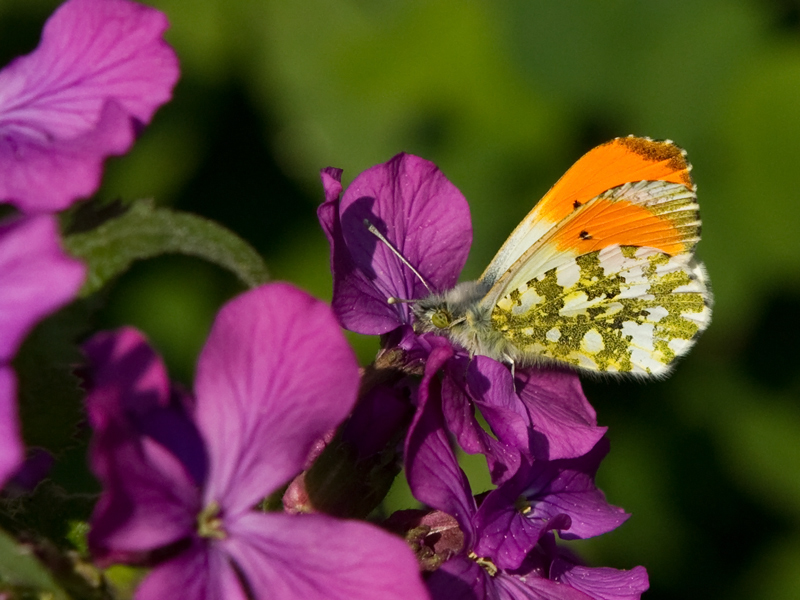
x: 504, y: 96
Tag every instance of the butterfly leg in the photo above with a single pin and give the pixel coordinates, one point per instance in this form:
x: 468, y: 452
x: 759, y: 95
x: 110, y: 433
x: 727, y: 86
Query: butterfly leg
x: 511, y: 364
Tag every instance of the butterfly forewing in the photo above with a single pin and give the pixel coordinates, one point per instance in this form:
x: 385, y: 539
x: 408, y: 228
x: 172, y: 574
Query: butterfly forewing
x: 655, y: 214
x: 622, y: 308
x: 603, y: 168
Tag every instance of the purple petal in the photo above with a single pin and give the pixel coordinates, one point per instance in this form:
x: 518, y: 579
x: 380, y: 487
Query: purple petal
x: 140, y: 450
x: 567, y: 487
x: 36, y: 277
x: 148, y: 499
x: 199, y: 573
x: 431, y: 467
x: 506, y: 535
x: 275, y: 375
x: 463, y: 579
x: 130, y: 384
x: 100, y: 72
x: 328, y: 211
x: 532, y: 587
x: 424, y: 215
x: 427, y: 220
x: 357, y: 302
x: 127, y: 376
x: 315, y: 557
x: 564, y: 423
x: 602, y: 583
x: 485, y: 383
x: 11, y: 448
x: 557, y: 495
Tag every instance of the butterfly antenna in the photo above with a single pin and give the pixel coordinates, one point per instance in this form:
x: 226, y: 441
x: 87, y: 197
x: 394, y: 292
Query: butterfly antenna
x: 374, y: 231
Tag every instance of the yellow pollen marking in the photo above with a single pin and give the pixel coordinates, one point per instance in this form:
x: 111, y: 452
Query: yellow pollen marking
x: 486, y: 563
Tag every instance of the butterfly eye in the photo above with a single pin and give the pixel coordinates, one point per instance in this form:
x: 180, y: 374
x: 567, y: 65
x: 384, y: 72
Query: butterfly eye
x: 441, y: 319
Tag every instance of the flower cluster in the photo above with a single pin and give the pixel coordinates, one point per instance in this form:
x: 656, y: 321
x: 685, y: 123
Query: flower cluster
x: 544, y: 446
x: 182, y: 474
x: 258, y: 482
x: 98, y: 75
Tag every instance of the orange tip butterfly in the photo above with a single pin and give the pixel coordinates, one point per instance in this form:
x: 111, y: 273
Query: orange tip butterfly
x: 600, y: 275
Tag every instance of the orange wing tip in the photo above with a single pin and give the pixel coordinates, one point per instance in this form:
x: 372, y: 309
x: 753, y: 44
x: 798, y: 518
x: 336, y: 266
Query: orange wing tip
x: 663, y: 151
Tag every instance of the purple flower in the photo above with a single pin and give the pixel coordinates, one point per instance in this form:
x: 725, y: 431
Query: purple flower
x: 541, y: 413
x: 181, y: 477
x: 36, y: 278
x: 99, y: 73
x: 541, y: 496
x: 411, y: 202
x: 528, y: 565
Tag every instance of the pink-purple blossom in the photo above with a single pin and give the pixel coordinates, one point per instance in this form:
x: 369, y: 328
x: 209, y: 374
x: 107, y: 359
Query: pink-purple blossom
x: 36, y: 278
x: 411, y: 202
x: 99, y: 73
x: 508, y: 550
x: 182, y: 474
x: 541, y: 496
x: 540, y: 413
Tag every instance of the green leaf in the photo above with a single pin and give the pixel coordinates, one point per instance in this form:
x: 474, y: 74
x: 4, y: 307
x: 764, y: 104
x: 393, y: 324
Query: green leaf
x: 50, y: 395
x: 146, y: 231
x: 22, y: 574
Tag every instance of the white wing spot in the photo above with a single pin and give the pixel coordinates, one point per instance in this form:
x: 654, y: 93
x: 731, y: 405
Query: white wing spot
x: 635, y: 291
x: 641, y: 334
x: 656, y: 313
x: 528, y: 299
x: 553, y: 335
x: 592, y: 342
x: 568, y: 275
x: 574, y: 303
x: 645, y: 360
x: 505, y: 304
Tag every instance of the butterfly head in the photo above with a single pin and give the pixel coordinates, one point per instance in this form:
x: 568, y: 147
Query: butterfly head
x: 441, y: 318
x: 460, y: 315
x: 439, y: 312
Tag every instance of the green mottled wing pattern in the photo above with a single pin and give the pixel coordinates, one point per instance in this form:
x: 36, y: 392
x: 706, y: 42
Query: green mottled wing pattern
x: 619, y: 309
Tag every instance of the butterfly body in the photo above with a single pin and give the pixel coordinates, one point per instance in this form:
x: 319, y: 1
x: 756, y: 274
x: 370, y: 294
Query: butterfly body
x: 600, y: 275
x: 460, y: 314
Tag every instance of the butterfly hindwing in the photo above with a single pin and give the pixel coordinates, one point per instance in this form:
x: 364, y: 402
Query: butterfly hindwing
x: 619, y: 309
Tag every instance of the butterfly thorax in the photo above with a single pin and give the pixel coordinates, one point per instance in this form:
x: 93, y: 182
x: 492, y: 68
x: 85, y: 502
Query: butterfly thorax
x: 460, y: 315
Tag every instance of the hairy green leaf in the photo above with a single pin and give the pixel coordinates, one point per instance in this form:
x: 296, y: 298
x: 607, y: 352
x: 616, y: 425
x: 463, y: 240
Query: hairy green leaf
x: 146, y: 231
